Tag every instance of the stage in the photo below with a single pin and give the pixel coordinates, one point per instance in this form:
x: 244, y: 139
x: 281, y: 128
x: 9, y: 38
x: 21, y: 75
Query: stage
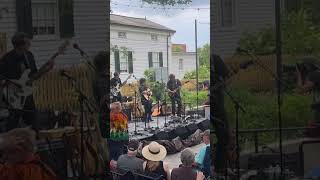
x: 184, y: 126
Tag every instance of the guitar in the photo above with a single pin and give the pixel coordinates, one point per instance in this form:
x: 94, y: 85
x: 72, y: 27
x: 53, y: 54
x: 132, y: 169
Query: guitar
x: 116, y: 89
x: 147, y: 94
x: 18, y: 90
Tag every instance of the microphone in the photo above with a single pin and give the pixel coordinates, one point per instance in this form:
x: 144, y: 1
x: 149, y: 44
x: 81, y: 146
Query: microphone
x: 66, y: 75
x: 76, y: 46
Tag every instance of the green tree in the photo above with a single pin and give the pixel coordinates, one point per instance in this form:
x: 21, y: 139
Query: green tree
x: 204, y: 55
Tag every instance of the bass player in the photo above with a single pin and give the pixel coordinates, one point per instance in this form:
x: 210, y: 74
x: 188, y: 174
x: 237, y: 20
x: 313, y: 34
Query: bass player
x: 173, y: 87
x: 12, y: 65
x: 115, y: 84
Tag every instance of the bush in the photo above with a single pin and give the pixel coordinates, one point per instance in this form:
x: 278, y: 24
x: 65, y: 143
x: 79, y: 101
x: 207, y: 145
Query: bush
x: 300, y: 36
x: 261, y: 113
x: 204, y: 73
x: 191, y: 97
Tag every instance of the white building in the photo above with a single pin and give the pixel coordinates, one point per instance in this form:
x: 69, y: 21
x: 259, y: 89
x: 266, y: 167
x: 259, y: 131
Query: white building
x: 182, y: 61
x: 146, y: 43
x: 51, y: 22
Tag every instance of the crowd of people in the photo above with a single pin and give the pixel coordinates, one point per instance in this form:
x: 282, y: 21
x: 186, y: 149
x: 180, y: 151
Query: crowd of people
x: 149, y: 160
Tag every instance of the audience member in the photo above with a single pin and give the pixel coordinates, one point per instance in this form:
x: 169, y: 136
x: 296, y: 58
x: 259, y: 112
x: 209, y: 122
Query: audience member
x: 118, y: 131
x: 129, y: 161
x: 186, y: 171
x: 200, y: 157
x: 154, y: 153
x: 18, y: 158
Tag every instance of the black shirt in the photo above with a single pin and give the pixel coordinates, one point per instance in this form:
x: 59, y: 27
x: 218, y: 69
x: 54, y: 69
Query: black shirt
x: 114, y: 82
x: 173, y: 85
x: 12, y: 65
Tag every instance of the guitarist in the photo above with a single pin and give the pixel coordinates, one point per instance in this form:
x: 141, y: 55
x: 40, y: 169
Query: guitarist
x: 174, y: 86
x: 147, y: 103
x: 12, y: 66
x: 116, y: 82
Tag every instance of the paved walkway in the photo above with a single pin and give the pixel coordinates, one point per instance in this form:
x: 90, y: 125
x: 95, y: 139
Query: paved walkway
x: 174, y: 159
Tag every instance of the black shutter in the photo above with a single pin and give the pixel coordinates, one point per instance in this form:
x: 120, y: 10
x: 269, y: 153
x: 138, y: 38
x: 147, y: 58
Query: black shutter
x: 130, y: 62
x: 160, y: 59
x: 66, y: 18
x: 24, y: 16
x: 150, y: 59
x: 117, y: 61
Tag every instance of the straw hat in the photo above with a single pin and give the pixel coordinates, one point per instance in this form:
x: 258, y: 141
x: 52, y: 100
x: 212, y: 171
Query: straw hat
x: 154, y: 152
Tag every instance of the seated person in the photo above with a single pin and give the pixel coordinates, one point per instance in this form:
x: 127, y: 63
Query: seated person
x: 118, y: 131
x: 186, y: 170
x: 18, y: 158
x: 129, y: 161
x: 154, y: 153
x: 200, y: 157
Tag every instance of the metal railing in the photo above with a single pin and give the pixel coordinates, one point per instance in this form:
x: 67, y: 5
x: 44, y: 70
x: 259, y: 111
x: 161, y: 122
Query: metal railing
x: 254, y: 133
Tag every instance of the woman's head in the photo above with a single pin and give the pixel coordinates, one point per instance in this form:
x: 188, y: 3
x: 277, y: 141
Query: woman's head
x: 24, y: 148
x: 142, y: 81
x: 187, y: 157
x: 116, y: 107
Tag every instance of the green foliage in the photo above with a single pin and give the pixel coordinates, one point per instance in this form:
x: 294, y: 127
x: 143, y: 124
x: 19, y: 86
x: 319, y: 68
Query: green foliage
x: 204, y: 73
x: 300, y: 36
x: 261, y: 113
x: 260, y: 43
x: 204, y: 55
x: 167, y: 2
x: 191, y: 97
x: 149, y: 74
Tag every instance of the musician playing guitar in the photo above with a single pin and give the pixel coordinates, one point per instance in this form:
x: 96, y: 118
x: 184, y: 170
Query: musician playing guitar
x: 173, y: 87
x: 115, y: 84
x: 146, y: 100
x: 12, y: 67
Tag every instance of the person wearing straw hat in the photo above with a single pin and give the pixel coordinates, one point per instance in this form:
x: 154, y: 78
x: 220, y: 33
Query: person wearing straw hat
x: 154, y: 153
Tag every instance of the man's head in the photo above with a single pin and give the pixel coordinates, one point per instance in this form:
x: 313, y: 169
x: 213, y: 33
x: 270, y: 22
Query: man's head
x: 206, y: 137
x: 21, y: 41
x: 172, y: 77
x: 116, y: 75
x: 133, y: 147
x: 116, y: 107
x: 187, y: 157
x: 24, y: 149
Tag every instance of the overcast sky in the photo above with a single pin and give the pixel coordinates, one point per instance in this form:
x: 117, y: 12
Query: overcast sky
x: 180, y: 20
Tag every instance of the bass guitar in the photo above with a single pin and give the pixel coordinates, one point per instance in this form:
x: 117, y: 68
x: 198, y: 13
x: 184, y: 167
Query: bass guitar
x: 116, y: 89
x: 16, y: 91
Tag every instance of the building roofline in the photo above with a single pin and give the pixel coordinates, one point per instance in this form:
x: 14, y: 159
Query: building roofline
x: 123, y: 24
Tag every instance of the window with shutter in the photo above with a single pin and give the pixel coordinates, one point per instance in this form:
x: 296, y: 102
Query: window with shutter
x: 117, y: 61
x: 160, y: 59
x: 150, y: 59
x: 24, y: 16
x: 45, y: 18
x: 66, y: 18
x: 130, y: 61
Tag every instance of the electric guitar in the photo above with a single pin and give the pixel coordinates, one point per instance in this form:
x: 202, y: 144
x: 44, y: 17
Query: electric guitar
x: 116, y: 89
x: 16, y: 91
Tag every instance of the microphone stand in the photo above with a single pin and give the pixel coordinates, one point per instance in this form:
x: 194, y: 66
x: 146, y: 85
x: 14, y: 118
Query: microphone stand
x: 237, y: 108
x: 83, y: 100
x: 86, y: 58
